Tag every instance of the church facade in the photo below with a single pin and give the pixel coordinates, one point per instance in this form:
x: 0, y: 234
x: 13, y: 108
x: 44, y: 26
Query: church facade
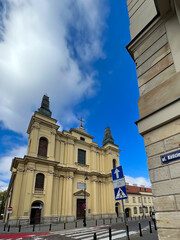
x: 63, y: 176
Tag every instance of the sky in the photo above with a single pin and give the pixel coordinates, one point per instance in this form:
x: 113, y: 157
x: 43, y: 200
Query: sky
x: 75, y: 52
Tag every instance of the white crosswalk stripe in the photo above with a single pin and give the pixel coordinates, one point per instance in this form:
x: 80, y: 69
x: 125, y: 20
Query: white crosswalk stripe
x: 88, y: 233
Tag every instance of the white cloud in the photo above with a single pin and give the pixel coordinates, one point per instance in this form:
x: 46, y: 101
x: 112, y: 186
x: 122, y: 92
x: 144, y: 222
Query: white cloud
x: 48, y: 48
x: 5, y: 164
x: 139, y: 181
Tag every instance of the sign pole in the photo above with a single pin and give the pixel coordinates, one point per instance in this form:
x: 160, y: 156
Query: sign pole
x: 124, y: 215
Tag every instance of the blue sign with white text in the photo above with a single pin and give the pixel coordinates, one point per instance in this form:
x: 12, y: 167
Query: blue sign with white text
x: 173, y: 156
x: 117, y: 173
x: 120, y: 193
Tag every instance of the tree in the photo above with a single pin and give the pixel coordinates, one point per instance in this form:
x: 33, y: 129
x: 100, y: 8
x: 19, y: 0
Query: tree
x: 3, y: 195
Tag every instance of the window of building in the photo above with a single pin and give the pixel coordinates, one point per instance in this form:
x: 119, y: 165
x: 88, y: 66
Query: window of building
x: 82, y: 139
x: 146, y: 209
x: 114, y: 163
x: 150, y: 209
x: 139, y: 199
x: 134, y: 200
x: 149, y: 200
x: 140, y: 210
x: 126, y: 200
x: 145, y: 200
x: 39, y: 185
x: 135, y: 210
x: 81, y: 156
x: 43, y: 145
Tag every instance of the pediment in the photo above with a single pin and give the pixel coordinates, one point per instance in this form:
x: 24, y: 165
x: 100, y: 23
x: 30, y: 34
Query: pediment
x: 82, y: 193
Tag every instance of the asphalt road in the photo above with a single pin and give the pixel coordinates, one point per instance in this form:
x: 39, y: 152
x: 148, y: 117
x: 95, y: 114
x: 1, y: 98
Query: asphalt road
x: 118, y: 231
x: 102, y: 232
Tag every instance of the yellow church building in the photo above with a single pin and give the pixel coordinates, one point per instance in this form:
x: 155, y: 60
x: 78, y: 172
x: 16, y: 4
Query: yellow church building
x: 63, y: 176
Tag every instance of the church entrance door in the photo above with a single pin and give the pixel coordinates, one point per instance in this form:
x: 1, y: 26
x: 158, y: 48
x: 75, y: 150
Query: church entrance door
x: 80, y: 208
x: 36, y: 212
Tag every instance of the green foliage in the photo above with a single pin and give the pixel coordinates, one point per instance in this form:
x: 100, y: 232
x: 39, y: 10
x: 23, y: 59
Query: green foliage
x: 3, y: 195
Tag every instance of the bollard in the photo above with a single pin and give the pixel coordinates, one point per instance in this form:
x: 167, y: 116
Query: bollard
x: 140, y: 232
x: 150, y: 229
x: 49, y: 227
x: 96, y: 222
x: 9, y: 228
x: 64, y: 225
x: 110, y: 235
x: 110, y: 220
x: 103, y: 221
x: 155, y: 224
x: 19, y: 228
x: 116, y: 220
x: 127, y: 231
x: 95, y: 238
x: 4, y: 227
x: 33, y: 227
x: 75, y: 224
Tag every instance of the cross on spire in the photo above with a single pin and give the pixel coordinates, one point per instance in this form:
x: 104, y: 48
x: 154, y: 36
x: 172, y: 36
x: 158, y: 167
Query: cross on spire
x: 82, y: 121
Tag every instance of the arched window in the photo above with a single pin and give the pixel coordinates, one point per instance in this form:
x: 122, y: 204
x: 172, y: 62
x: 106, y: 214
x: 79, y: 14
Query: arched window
x: 43, y: 144
x: 114, y: 163
x: 135, y: 210
x: 140, y: 210
x: 39, y: 185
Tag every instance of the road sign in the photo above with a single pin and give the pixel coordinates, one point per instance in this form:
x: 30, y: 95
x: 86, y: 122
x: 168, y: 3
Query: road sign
x: 9, y: 210
x: 117, y: 173
x: 120, y: 193
x: 119, y: 183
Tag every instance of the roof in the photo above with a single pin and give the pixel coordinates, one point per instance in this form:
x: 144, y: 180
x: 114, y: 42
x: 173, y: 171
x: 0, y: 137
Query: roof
x: 137, y: 190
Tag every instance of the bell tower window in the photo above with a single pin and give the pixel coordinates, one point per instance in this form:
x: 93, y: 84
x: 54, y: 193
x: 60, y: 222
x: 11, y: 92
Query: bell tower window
x: 43, y: 145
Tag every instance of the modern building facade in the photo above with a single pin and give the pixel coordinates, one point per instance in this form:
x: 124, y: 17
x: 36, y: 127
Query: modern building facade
x: 155, y: 34
x: 64, y: 174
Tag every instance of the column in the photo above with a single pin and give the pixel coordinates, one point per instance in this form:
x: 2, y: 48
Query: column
x: 48, y: 194
x: 62, y: 152
x: 16, y: 194
x: 60, y: 196
x: 57, y: 156
x: 94, y: 195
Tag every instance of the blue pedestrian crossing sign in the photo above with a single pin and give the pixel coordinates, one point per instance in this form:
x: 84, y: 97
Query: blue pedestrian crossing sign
x: 119, y: 183
x: 120, y: 193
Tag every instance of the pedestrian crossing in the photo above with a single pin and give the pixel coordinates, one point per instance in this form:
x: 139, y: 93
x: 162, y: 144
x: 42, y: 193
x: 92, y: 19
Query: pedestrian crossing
x: 102, y: 233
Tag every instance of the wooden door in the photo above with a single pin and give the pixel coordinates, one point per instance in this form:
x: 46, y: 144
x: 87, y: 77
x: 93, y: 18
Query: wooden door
x: 80, y: 208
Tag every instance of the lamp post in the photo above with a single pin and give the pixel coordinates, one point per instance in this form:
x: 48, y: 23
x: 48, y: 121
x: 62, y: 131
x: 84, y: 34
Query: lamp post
x: 85, y: 179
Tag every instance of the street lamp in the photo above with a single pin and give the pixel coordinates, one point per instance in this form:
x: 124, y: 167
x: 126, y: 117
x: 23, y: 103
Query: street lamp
x: 85, y: 179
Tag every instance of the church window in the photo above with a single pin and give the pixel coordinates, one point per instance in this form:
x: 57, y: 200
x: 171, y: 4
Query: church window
x: 39, y: 185
x: 135, y: 210
x: 114, y: 163
x: 82, y: 139
x: 43, y: 144
x: 81, y: 156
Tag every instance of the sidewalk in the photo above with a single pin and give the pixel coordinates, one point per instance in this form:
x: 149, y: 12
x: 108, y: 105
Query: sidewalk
x: 146, y: 236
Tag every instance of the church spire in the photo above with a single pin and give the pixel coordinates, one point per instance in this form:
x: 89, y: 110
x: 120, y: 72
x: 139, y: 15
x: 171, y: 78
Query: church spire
x: 108, y: 136
x: 44, y: 109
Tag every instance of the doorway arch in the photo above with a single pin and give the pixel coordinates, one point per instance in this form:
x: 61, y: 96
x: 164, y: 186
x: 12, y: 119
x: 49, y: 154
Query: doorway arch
x: 36, y: 209
x: 128, y: 212
x: 117, y: 209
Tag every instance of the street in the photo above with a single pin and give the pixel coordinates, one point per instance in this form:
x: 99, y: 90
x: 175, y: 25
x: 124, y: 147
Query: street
x: 118, y: 231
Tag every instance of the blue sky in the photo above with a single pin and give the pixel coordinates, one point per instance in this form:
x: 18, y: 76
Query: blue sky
x: 75, y: 51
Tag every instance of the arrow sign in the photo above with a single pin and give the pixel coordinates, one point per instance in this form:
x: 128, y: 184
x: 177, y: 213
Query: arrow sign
x: 117, y: 173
